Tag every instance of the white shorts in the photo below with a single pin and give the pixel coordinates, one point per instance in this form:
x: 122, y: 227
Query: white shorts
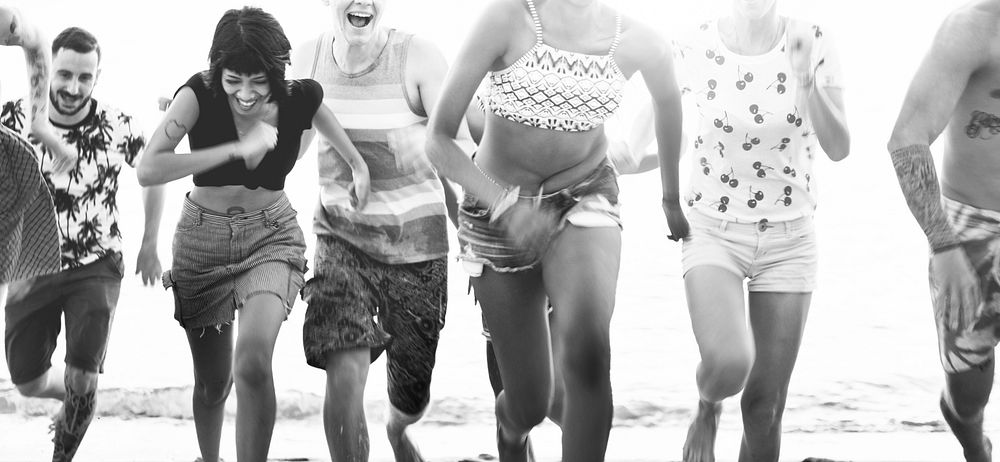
x: 776, y: 256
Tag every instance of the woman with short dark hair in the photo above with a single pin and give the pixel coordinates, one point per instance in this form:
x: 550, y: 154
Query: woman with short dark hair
x: 238, y: 245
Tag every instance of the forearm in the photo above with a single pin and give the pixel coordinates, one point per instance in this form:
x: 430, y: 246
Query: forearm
x: 452, y: 163
x: 152, y: 204
x: 668, y: 134
x: 830, y: 123
x: 37, y: 62
x: 159, y: 167
x: 918, y: 180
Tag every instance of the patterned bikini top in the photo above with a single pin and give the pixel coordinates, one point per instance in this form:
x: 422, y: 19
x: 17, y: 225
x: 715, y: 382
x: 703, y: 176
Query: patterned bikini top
x: 556, y: 89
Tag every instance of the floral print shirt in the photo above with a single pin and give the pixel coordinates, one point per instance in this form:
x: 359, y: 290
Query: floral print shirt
x: 754, y: 145
x: 86, y: 197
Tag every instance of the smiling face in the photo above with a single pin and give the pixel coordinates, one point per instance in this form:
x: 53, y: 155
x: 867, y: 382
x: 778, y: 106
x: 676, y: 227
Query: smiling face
x: 356, y: 21
x: 247, y: 94
x: 753, y: 9
x: 73, y: 79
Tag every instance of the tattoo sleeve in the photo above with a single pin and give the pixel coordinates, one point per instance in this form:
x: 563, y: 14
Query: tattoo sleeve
x: 38, y: 77
x: 918, y: 180
x: 14, y: 38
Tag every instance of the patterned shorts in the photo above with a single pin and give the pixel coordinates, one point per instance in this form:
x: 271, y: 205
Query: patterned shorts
x: 355, y: 301
x: 979, y: 231
x: 29, y: 239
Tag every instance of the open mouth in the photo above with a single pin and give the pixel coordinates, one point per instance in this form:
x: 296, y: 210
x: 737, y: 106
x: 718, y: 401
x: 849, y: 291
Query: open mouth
x: 359, y: 20
x: 246, y: 105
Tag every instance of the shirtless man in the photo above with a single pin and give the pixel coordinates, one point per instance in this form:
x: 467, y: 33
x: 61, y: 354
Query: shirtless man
x: 956, y: 91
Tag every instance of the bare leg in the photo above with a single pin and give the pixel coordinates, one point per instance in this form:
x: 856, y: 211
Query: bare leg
x: 581, y: 275
x: 514, y: 305
x: 777, y: 321
x: 402, y: 447
x: 260, y: 320
x: 212, y: 355
x: 51, y: 384
x: 715, y: 301
x: 77, y: 412
x: 962, y: 404
x: 344, y: 407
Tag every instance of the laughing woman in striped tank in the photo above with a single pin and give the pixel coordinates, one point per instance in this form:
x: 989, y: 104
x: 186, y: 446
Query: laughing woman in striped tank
x: 540, y: 217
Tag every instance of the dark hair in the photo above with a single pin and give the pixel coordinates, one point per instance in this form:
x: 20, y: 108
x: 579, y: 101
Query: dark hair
x: 78, y: 40
x: 248, y: 41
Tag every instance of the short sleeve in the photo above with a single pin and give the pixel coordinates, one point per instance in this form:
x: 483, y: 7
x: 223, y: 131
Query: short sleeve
x: 308, y: 94
x: 825, y: 60
x: 198, y: 84
x: 131, y: 141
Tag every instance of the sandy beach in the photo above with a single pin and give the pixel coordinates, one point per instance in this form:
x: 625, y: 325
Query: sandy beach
x: 160, y: 439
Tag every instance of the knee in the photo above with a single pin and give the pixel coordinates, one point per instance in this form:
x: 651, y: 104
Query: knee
x: 526, y: 411
x: 212, y: 392
x: 763, y: 408
x: 728, y: 369
x: 586, y: 364
x: 34, y: 388
x: 80, y: 381
x: 252, y: 369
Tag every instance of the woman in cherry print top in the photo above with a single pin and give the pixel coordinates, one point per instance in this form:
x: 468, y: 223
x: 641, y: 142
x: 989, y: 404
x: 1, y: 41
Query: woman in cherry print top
x: 769, y: 95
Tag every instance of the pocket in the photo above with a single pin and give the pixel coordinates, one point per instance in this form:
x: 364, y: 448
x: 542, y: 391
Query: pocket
x: 116, y: 263
x: 167, y: 279
x: 188, y: 222
x: 470, y: 207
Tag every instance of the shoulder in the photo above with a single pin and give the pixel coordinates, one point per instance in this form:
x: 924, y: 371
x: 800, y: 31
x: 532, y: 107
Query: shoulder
x: 117, y: 117
x: 306, y: 94
x: 424, y: 57
x: 970, y: 30
x: 504, y: 15
x: 304, y: 55
x: 641, y: 44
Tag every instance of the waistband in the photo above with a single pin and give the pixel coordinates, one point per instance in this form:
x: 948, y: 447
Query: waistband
x: 193, y: 210
x: 761, y: 226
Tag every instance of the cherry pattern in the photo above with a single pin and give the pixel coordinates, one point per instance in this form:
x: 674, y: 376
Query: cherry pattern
x: 769, y: 175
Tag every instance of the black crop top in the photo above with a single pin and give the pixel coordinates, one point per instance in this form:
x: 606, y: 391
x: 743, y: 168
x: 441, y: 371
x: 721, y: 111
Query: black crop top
x: 215, y: 126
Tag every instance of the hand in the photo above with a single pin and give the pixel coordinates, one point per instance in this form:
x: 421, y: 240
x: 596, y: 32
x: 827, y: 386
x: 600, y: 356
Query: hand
x: 361, y: 187
x: 256, y: 143
x: 529, y: 226
x: 799, y: 53
x: 955, y: 289
x: 64, y: 156
x: 676, y: 221
x: 148, y: 264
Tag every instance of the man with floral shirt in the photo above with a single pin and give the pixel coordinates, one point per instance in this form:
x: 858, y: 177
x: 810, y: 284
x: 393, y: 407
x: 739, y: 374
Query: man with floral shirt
x: 87, y: 287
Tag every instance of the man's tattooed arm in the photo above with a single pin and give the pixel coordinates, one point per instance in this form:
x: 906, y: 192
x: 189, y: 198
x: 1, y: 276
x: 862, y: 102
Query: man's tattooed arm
x: 918, y: 180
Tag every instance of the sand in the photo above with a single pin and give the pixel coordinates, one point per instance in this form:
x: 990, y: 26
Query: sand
x: 161, y: 439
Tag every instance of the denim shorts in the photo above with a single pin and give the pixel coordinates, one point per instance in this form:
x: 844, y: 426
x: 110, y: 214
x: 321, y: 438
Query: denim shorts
x: 220, y: 261
x: 86, y: 296
x: 593, y: 202
x: 776, y: 256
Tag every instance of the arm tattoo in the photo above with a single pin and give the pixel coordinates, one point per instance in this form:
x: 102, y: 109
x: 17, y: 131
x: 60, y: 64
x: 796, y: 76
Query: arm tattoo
x: 174, y: 130
x: 918, y: 180
x: 15, y: 37
x: 38, y: 76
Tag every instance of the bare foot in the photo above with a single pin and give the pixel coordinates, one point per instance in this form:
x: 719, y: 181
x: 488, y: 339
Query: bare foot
x: 514, y: 451
x: 402, y: 447
x: 700, y: 443
x: 976, y: 445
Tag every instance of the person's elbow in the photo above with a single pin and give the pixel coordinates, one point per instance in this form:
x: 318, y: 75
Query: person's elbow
x: 146, y: 173
x: 435, y: 146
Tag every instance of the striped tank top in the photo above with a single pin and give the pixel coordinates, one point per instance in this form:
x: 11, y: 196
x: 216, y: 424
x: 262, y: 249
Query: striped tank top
x: 405, y: 219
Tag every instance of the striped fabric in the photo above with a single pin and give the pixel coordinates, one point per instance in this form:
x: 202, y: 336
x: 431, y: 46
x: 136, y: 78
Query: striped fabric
x: 404, y: 221
x: 29, y: 240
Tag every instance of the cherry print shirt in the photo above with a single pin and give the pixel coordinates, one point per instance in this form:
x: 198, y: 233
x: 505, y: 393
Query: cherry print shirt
x: 754, y: 145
